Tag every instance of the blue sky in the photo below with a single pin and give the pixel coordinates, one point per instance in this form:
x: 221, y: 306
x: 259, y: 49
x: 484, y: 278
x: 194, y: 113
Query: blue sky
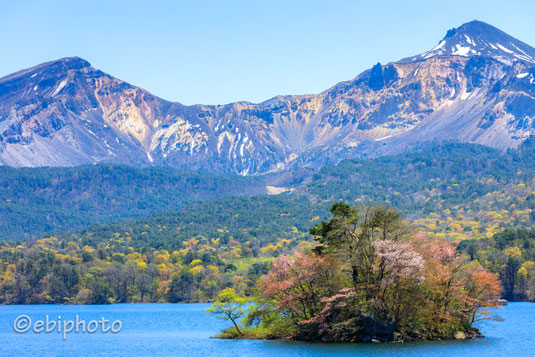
x: 215, y: 52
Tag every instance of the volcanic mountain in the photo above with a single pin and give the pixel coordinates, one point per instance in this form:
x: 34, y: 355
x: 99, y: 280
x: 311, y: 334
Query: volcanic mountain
x: 477, y: 85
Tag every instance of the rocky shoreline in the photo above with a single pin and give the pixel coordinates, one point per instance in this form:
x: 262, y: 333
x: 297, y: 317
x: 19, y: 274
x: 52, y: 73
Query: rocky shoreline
x: 365, y: 336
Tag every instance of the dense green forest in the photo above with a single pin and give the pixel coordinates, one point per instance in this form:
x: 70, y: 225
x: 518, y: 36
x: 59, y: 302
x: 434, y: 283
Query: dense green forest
x: 35, y: 201
x: 454, y: 173
x: 193, y: 246
x: 453, y: 206
x: 260, y: 219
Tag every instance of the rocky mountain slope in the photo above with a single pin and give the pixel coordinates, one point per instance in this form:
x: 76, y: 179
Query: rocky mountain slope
x: 477, y: 85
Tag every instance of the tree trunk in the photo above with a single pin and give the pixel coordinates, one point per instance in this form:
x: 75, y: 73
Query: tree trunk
x: 236, y: 325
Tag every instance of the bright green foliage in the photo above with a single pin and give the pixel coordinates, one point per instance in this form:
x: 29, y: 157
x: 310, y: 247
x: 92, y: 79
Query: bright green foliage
x: 229, y: 306
x: 511, y: 254
x: 51, y: 270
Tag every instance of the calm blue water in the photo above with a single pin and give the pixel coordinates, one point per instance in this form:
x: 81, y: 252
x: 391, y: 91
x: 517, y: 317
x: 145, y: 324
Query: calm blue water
x: 185, y: 330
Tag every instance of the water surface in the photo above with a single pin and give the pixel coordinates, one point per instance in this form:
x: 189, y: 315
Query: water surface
x: 185, y: 330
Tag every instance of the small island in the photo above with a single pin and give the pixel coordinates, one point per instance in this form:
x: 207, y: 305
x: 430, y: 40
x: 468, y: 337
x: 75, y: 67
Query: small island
x: 370, y: 278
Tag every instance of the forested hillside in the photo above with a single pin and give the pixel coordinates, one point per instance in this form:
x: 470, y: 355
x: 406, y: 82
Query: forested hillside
x: 439, y: 174
x: 454, y: 192
x: 435, y: 179
x: 169, y: 257
x: 36, y: 201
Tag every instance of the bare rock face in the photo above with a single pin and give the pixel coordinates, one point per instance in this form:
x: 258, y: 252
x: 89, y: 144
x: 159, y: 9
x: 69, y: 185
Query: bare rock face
x: 477, y: 85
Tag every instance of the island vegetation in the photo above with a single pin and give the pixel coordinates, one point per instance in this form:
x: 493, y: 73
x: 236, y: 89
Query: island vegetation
x: 370, y: 278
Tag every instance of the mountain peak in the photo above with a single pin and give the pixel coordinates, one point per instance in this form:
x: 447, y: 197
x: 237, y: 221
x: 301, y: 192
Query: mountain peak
x: 54, y: 68
x: 477, y: 38
x: 66, y: 113
x: 477, y: 27
x: 74, y: 61
x: 63, y: 64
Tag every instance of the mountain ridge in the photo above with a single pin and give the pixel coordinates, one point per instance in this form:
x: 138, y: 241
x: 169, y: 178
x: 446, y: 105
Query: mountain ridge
x: 67, y: 113
x: 479, y: 38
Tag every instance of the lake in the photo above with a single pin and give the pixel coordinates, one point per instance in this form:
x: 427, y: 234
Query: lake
x: 185, y: 330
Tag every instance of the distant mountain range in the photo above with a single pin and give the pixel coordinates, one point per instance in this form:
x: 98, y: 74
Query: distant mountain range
x: 477, y: 85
